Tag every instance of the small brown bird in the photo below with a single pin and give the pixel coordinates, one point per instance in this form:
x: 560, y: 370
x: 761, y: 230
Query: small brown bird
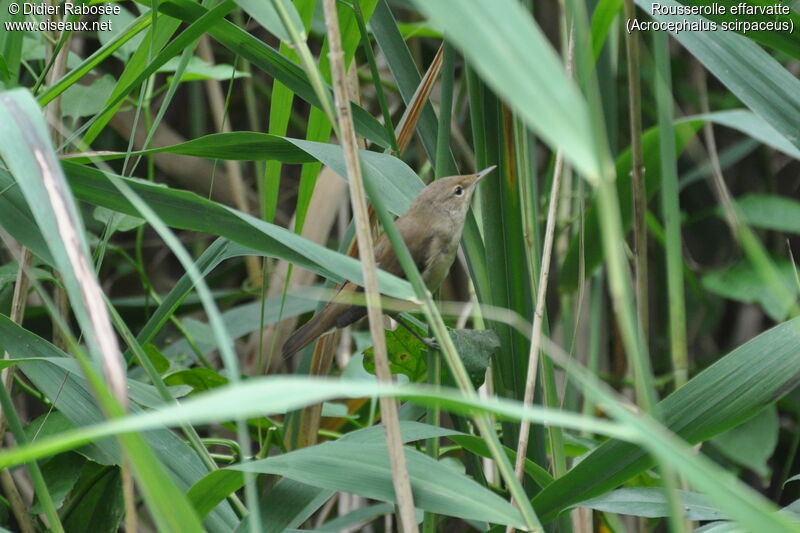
x: 431, y: 228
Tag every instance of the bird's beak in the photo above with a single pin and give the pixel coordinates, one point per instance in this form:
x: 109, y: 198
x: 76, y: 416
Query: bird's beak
x: 483, y: 173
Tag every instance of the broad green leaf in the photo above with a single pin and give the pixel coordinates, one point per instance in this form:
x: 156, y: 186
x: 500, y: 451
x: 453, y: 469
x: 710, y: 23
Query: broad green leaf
x: 743, y: 282
x: 56, y: 422
x: 197, y: 69
x: 407, y: 355
x: 141, y: 393
x: 475, y: 348
x: 116, y: 221
x: 100, y: 507
x: 363, y: 469
x: 410, y: 431
x: 650, y: 502
x: 753, y: 443
x: 396, y: 182
x: 288, y: 504
x: 299, y: 498
x: 213, y: 488
x: 767, y: 211
x: 60, y: 472
x: 117, y: 32
x: 264, y: 13
x: 85, y: 100
x: 721, y: 397
x: 361, y: 515
x: 478, y: 446
x: 198, y: 378
x: 753, y: 125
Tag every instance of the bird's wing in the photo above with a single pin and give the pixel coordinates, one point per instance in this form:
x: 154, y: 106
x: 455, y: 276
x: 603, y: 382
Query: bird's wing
x: 418, y: 247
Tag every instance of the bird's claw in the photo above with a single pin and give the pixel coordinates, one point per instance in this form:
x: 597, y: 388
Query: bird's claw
x: 431, y: 343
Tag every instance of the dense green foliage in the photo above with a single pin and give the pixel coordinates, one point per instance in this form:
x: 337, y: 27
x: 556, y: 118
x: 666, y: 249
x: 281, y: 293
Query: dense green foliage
x: 170, y: 211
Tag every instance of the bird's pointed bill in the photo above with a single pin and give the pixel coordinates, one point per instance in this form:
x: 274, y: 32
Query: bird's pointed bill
x: 480, y: 175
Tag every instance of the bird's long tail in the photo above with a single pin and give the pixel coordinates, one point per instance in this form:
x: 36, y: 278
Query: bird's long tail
x: 319, y: 324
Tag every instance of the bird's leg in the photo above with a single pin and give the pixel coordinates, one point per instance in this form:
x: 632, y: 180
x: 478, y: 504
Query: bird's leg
x: 430, y: 342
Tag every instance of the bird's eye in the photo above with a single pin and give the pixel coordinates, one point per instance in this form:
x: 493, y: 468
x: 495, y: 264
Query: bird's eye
x: 458, y: 191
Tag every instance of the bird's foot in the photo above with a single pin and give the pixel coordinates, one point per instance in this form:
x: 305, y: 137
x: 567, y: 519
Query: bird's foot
x: 431, y: 343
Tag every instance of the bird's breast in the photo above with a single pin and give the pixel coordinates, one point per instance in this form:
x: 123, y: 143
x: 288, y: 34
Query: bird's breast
x: 442, y: 254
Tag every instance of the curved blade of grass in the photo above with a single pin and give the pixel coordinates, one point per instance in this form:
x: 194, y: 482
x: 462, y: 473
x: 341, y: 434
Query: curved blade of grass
x: 272, y: 62
x: 770, y: 211
x: 396, y: 182
x: 102, y: 53
x: 284, y: 393
x: 273, y: 395
x: 17, y: 219
x: 139, y: 67
x: 602, y: 18
x: 56, y: 377
x: 650, y: 502
x: 26, y: 149
x: 185, y: 210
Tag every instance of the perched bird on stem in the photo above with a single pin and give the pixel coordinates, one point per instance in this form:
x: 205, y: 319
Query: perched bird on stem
x: 431, y: 229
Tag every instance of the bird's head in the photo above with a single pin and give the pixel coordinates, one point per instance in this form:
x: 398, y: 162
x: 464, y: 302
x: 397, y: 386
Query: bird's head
x: 451, y: 194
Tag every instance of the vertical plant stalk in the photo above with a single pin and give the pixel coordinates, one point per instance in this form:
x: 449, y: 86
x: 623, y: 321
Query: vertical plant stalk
x: 408, y: 122
x: 301, y: 47
x: 670, y: 207
x: 8, y: 415
x: 18, y: 303
x: 443, y: 158
x: 637, y: 172
x: 347, y: 138
x: 17, y: 312
x: 748, y: 240
x: 442, y: 168
x: 321, y: 363
x: 538, y: 314
x: 541, y: 291
x: 54, y: 71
